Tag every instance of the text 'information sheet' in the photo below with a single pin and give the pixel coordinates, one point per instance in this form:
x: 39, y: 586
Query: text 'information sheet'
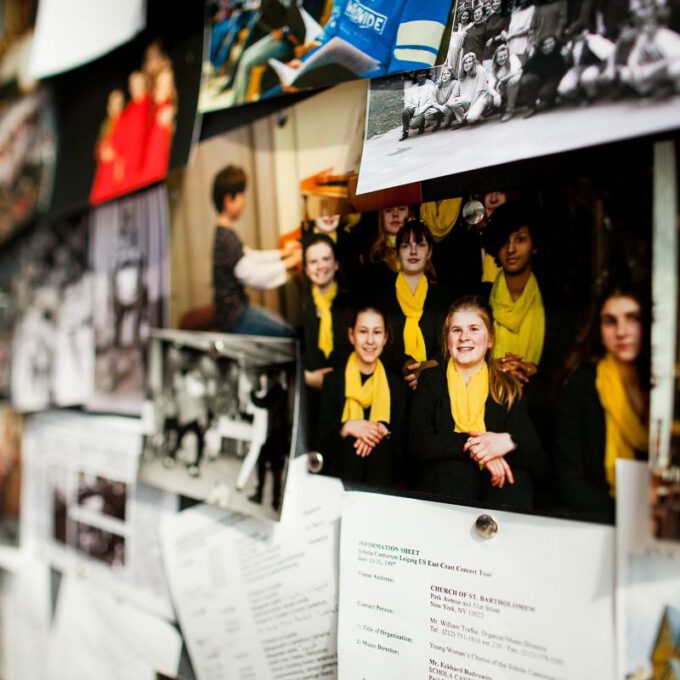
x: 423, y: 595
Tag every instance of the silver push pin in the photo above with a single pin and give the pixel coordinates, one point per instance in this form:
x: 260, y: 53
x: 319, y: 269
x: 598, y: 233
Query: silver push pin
x: 314, y: 462
x: 486, y: 526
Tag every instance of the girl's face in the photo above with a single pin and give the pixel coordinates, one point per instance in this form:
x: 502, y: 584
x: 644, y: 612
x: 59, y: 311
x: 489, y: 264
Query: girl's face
x: 468, y: 339
x: 479, y: 13
x: 502, y: 56
x: 446, y: 76
x: 327, y: 224
x: 496, y: 5
x: 413, y: 256
x: 368, y: 337
x: 116, y: 104
x: 320, y: 264
x: 393, y: 219
x: 164, y: 86
x: 516, y: 253
x: 469, y: 63
x: 465, y: 16
x: 621, y: 328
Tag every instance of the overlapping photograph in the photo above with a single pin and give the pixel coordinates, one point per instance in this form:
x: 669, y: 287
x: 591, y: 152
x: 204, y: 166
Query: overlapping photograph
x: 524, y: 79
x: 263, y: 48
x: 52, y: 350
x: 220, y: 418
x: 128, y: 260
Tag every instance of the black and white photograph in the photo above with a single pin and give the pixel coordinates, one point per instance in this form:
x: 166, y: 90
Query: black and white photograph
x: 220, y: 418
x: 52, y: 357
x: 129, y: 266
x: 526, y: 78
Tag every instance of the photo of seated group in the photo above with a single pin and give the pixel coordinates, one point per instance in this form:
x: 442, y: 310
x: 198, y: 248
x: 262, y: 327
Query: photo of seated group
x: 488, y: 348
x: 566, y: 74
x: 262, y: 48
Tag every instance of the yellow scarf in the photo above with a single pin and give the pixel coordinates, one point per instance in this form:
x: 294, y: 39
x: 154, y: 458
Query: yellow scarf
x: 332, y: 235
x: 323, y: 303
x: 412, y: 307
x: 490, y: 269
x: 375, y: 392
x: 440, y: 216
x: 519, y: 325
x: 468, y: 401
x: 626, y: 434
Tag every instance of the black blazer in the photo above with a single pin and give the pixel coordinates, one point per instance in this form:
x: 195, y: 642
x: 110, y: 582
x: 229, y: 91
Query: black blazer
x: 434, y: 444
x: 580, y: 447
x: 336, y: 448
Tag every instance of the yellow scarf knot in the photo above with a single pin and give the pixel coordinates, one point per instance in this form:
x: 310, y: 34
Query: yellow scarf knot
x: 625, y: 432
x: 323, y: 303
x: 374, y: 393
x: 519, y: 325
x: 412, y: 305
x: 468, y: 401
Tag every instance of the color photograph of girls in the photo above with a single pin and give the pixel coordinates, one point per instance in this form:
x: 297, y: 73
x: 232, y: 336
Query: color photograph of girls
x: 522, y: 376
x: 525, y: 78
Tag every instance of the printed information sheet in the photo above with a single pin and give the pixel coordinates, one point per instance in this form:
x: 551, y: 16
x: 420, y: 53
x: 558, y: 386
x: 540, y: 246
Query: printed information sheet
x: 258, y: 600
x: 423, y: 595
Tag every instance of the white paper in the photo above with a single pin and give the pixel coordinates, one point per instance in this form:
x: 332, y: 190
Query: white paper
x: 68, y: 516
x: 335, y: 51
x: 648, y: 574
x: 422, y: 595
x: 26, y: 620
x: 69, y: 34
x: 255, y: 599
x: 97, y: 635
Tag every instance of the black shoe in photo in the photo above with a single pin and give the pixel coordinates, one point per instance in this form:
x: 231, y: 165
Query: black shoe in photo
x: 404, y: 135
x: 256, y: 497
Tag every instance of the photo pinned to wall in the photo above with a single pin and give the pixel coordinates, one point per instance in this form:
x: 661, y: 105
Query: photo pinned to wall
x: 52, y: 350
x: 665, y: 396
x: 263, y: 48
x: 481, y: 282
x: 10, y: 475
x: 127, y: 118
x: 526, y: 79
x: 221, y: 419
x: 129, y: 268
x: 86, y: 507
x: 242, y: 205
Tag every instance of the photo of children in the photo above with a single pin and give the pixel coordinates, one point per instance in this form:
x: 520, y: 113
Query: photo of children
x: 263, y: 48
x: 384, y: 294
x: 128, y: 263
x: 524, y: 78
x: 133, y: 148
x: 219, y: 418
x: 128, y: 117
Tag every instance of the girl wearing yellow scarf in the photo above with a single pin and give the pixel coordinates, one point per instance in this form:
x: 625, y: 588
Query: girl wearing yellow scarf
x: 321, y: 267
x: 419, y: 303
x: 362, y: 408
x: 469, y: 426
x: 603, y: 410
x: 515, y: 296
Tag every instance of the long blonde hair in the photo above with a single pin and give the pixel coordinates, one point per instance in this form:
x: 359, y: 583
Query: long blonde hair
x: 503, y: 388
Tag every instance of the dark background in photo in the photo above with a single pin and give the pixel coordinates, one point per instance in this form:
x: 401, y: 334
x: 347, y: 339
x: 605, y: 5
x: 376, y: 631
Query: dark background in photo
x: 81, y: 97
